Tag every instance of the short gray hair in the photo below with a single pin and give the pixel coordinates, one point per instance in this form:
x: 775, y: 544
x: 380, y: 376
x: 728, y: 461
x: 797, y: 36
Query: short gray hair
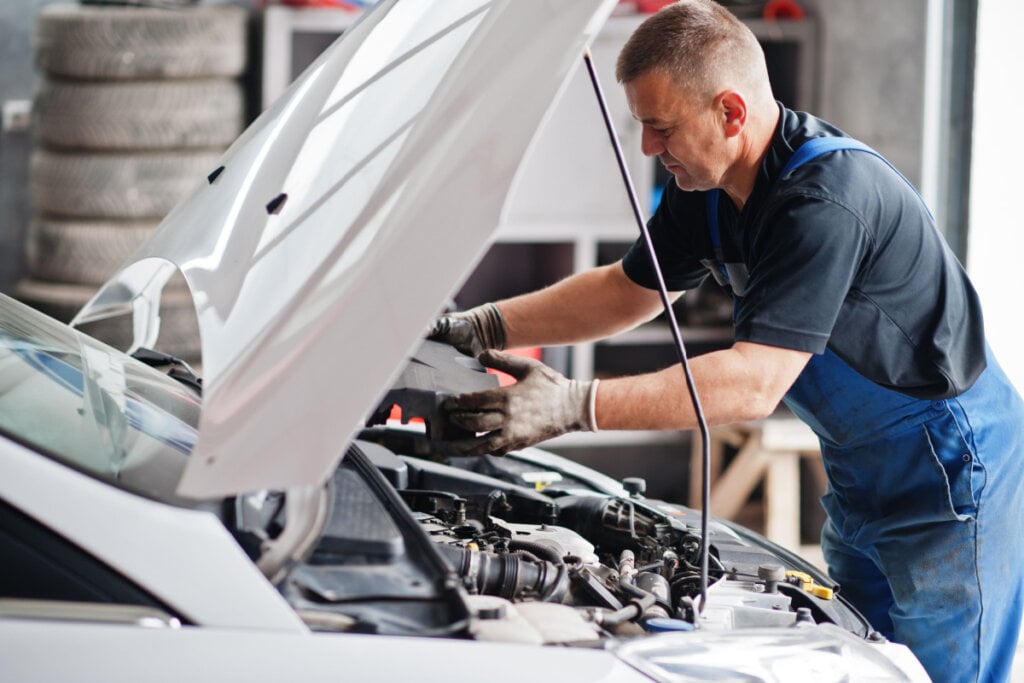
x: 697, y: 42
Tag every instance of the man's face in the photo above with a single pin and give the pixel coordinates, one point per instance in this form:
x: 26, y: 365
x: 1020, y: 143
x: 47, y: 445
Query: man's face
x: 684, y: 134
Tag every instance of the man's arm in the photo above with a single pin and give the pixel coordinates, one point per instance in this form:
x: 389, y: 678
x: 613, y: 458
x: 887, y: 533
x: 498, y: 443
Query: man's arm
x: 593, y: 304
x: 744, y: 382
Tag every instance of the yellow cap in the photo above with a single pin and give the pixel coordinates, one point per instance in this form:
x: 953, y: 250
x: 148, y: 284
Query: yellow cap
x: 808, y: 585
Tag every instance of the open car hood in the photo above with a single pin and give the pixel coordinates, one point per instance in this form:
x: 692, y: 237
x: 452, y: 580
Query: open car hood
x: 337, y: 225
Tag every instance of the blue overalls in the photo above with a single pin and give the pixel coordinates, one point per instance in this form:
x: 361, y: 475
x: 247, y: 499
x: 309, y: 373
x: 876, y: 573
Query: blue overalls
x: 925, y: 529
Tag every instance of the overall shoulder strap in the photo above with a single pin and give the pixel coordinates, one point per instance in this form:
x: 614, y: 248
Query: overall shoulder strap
x: 811, y: 149
x: 815, y: 147
x: 808, y: 151
x: 711, y: 213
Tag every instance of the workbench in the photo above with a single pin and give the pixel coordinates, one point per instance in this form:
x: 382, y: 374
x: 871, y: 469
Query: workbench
x: 769, y: 451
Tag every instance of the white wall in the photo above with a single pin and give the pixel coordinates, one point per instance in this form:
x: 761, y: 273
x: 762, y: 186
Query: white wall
x: 996, y: 240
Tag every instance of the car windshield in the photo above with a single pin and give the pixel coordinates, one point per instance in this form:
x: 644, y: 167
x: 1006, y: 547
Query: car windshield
x: 91, y: 407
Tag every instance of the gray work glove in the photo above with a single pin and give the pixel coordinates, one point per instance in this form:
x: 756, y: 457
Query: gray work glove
x: 471, y: 331
x: 541, y: 405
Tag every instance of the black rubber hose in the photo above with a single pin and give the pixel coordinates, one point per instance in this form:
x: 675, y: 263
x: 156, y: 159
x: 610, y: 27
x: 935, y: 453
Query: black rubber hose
x: 641, y: 602
x: 507, y: 576
x: 541, y: 550
x: 559, y: 587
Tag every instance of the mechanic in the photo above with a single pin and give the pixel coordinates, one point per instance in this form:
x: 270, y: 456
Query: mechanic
x: 849, y: 307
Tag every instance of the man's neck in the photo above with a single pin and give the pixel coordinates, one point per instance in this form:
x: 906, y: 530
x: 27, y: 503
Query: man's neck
x: 756, y: 139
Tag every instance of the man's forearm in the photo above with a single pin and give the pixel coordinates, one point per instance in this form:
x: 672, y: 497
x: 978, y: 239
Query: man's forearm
x: 745, y: 382
x: 583, y: 307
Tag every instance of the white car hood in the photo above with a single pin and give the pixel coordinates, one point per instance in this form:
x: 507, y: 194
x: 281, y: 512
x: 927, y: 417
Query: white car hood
x: 342, y: 219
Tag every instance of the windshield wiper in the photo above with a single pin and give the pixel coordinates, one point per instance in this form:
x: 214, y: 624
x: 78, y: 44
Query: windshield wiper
x: 172, y: 366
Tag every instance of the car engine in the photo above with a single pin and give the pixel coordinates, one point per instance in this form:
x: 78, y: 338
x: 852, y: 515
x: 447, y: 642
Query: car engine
x: 529, y: 547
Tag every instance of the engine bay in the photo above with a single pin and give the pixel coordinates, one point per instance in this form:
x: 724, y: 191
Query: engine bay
x: 414, y: 546
x: 529, y: 547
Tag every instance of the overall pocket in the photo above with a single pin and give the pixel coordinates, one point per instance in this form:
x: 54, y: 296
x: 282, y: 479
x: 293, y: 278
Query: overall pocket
x: 955, y: 458
x: 926, y: 473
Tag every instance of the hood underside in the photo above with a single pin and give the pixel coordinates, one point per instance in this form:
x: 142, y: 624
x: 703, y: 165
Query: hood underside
x: 337, y: 225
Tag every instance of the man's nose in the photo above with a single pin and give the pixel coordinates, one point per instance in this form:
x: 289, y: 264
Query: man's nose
x: 650, y: 142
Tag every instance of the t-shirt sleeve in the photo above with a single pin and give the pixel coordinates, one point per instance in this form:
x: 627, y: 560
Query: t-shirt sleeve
x: 808, y: 256
x: 671, y: 229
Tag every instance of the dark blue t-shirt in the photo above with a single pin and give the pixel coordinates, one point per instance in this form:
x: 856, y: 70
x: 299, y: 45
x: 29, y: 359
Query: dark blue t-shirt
x: 841, y: 254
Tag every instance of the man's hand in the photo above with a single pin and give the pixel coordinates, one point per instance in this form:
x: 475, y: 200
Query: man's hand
x: 541, y: 405
x: 471, y: 331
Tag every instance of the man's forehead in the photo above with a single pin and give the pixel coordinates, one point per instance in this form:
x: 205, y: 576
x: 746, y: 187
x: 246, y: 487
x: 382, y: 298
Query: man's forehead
x: 654, y: 99
x: 652, y: 115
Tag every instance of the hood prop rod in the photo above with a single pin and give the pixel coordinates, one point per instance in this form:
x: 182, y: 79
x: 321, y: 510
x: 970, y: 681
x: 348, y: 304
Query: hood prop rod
x: 673, y: 324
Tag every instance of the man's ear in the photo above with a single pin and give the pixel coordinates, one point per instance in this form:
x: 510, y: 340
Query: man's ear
x: 733, y: 110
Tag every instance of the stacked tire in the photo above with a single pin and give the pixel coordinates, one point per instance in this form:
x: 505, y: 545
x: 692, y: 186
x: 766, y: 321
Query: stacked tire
x: 134, y: 108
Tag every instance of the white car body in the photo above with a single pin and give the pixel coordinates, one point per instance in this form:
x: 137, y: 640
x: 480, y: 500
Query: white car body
x: 317, y: 254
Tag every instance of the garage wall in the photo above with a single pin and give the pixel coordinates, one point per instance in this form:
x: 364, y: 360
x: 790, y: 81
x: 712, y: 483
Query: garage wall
x: 872, y: 74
